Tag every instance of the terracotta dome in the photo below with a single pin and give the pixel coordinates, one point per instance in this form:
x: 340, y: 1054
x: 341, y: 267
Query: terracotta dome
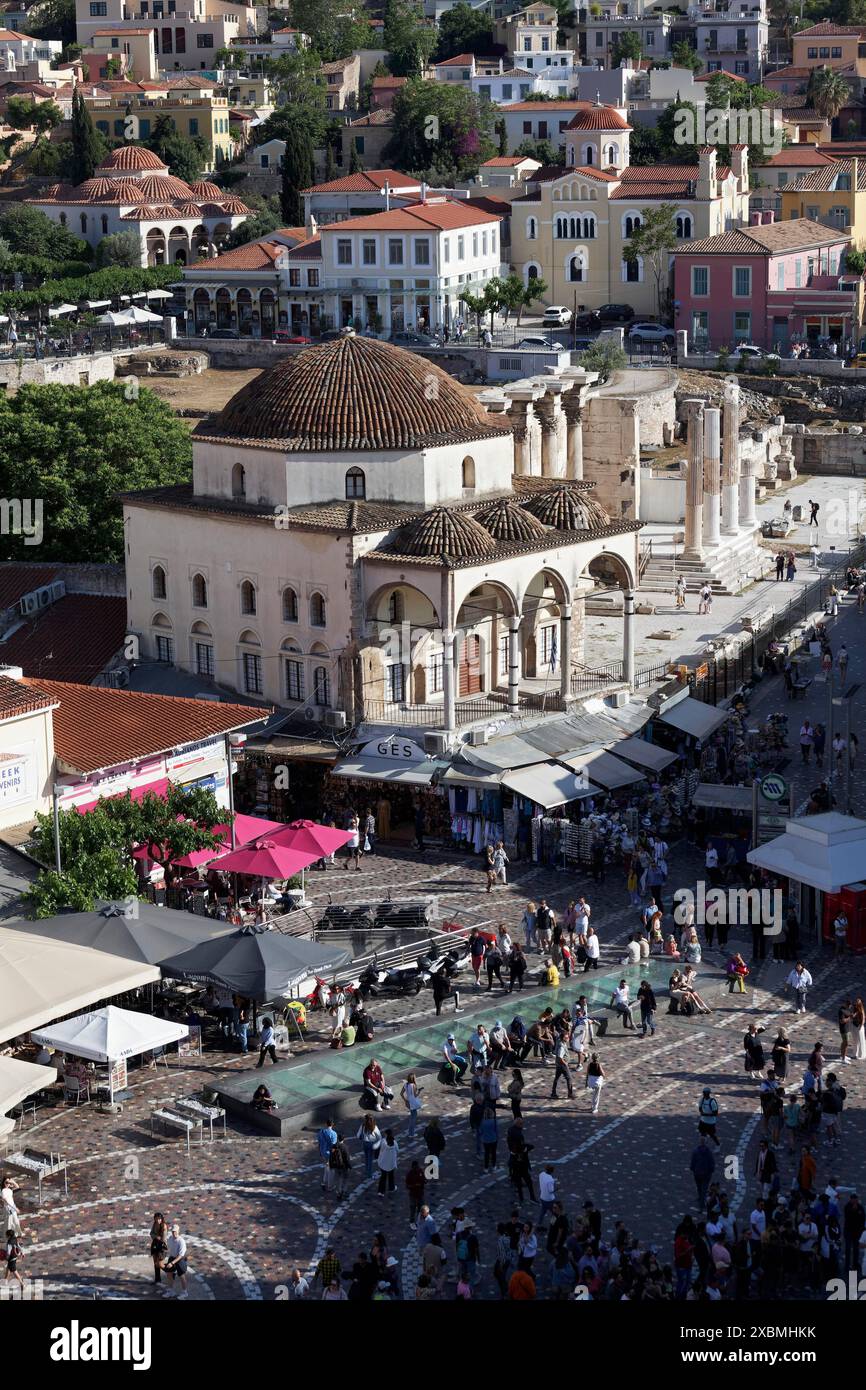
x: 598, y: 118
x: 568, y: 508
x: 506, y: 520
x: 188, y: 210
x: 131, y: 157
x: 102, y: 190
x: 205, y: 190
x: 352, y: 394
x: 162, y: 187
x: 235, y: 206
x: 443, y: 532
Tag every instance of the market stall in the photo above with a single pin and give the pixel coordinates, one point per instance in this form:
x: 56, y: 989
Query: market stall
x: 396, y: 780
x: 109, y: 1037
x: 822, y: 858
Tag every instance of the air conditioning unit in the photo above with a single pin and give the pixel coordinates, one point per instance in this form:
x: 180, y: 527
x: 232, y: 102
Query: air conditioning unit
x: 335, y: 719
x: 311, y: 713
x: 43, y: 596
x: 476, y: 738
x: 618, y: 699
x: 118, y: 679
x: 28, y: 604
x: 58, y: 590
x: 436, y: 744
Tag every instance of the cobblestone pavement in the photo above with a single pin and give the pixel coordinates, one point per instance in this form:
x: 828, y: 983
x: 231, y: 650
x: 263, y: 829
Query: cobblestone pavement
x: 252, y: 1206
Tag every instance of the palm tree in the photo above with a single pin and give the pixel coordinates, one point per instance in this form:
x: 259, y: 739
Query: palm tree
x: 828, y: 93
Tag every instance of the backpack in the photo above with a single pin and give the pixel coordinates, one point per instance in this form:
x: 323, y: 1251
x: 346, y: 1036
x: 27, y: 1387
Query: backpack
x: 463, y: 1248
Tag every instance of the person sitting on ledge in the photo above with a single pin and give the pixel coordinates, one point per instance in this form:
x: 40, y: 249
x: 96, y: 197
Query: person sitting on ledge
x: 263, y: 1100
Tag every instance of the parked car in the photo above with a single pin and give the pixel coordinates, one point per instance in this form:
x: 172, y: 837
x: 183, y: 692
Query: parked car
x: 231, y: 333
x: 410, y: 339
x: 651, y: 333
x: 556, y: 316
x: 616, y: 313
x: 285, y: 335
x: 590, y: 320
x: 540, y: 343
x: 750, y: 352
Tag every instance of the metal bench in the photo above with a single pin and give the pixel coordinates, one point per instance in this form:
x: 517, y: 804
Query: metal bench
x: 177, y: 1124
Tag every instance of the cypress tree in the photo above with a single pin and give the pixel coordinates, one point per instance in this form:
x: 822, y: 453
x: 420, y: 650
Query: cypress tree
x: 298, y: 173
x: 87, y: 148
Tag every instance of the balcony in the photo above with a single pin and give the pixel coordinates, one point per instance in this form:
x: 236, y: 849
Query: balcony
x: 539, y: 696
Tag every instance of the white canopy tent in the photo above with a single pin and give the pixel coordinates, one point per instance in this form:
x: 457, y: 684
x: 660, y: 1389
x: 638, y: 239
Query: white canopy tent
x: 128, y: 318
x: 41, y: 979
x: 58, y: 309
x: 160, y: 294
x: 826, y: 852
x: 693, y: 717
x: 18, y: 1080
x: 111, y: 1035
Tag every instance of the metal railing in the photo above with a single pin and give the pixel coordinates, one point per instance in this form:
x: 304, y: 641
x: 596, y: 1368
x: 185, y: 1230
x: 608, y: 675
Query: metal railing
x: 590, y: 678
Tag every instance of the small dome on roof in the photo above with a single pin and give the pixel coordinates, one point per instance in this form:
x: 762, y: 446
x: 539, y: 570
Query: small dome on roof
x: 131, y: 157
x: 506, y: 520
x: 206, y: 190
x: 568, y: 508
x: 441, y: 531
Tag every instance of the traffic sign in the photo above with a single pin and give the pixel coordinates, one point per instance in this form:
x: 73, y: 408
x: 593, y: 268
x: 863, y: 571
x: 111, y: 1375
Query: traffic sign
x: 773, y: 787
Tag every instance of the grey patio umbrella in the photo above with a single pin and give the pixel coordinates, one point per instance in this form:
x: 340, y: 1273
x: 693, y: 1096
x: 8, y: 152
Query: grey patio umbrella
x: 255, y: 962
x: 139, y: 931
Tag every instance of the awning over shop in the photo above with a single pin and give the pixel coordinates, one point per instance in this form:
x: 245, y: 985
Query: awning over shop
x: 158, y: 787
x: 723, y: 798
x: 549, y: 784
x: 467, y: 776
x: 693, y: 717
x: 606, y: 770
x: 824, y: 851
x: 643, y: 754
x: 418, y: 774
x: 41, y: 979
x: 18, y: 1080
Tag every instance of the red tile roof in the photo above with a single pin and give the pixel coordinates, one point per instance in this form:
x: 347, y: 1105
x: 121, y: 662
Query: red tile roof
x: 460, y: 60
x: 445, y: 217
x: 97, y: 728
x: 798, y: 157
x: 598, y: 118
x: 774, y: 238
x: 72, y: 640
x: 16, y: 580
x: 367, y: 181
x: 540, y: 108
x: 827, y: 30
x: 661, y: 181
x: 505, y: 161
x: 17, y: 698
x: 255, y: 255
x: 375, y: 118
x: 722, y: 72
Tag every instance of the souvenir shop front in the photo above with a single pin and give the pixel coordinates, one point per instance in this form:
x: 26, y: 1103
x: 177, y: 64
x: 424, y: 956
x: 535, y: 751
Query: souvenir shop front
x: 686, y: 726
x: 721, y: 816
x: 475, y: 810
x: 282, y: 778
x: 395, y: 779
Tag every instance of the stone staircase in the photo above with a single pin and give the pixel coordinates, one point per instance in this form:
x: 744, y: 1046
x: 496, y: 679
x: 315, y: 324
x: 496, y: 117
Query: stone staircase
x: 738, y: 565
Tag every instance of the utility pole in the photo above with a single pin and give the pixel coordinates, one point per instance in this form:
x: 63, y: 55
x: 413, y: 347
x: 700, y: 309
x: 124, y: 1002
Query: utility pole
x: 56, y: 800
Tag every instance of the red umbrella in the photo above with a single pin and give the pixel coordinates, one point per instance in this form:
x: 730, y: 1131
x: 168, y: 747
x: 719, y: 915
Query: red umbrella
x: 266, y: 859
x: 310, y: 838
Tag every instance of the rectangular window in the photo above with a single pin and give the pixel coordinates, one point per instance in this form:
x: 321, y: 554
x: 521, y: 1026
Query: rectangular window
x: 510, y: 364
x: 700, y: 323
x: 312, y: 279
x: 98, y: 8
x: 824, y: 52
x: 835, y: 53
x: 782, y: 179
x: 492, y: 243
x: 542, y: 130
x: 204, y: 659
x: 204, y: 41
x: 295, y: 279
x: 650, y: 39
x: 741, y: 67
x: 368, y: 246
x: 780, y: 276
x: 700, y: 280
x: 474, y: 244
x: 167, y: 40
x: 252, y: 674
x: 798, y: 275
x: 344, y: 251
x: 503, y: 657
x: 461, y: 248
x: 812, y: 52
x: 742, y: 281
x: 395, y: 677
x: 118, y: 127
x: 484, y: 243
x: 547, y: 636
x: 527, y: 127
x: 545, y: 45
x: 359, y: 143
x: 395, y: 252
x: 193, y: 125
x: 165, y: 650
x: 294, y: 680
x: 179, y: 37
x: 446, y: 251
x: 437, y: 673
x: 599, y: 40
x: 527, y: 45
x: 742, y: 325
x: 422, y: 251
x: 507, y: 88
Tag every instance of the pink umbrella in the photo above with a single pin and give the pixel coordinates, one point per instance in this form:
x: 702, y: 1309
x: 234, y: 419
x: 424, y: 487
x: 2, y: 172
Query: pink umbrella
x: 246, y: 828
x: 311, y: 838
x: 266, y: 859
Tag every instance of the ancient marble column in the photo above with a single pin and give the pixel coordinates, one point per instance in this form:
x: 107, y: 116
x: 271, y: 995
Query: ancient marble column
x: 448, y: 681
x: 545, y: 409
x: 513, y: 663
x: 565, y: 650
x: 694, y: 546
x: 748, y: 516
x: 628, y: 637
x: 731, y: 459
x: 518, y: 413
x: 573, y: 407
x: 712, y: 475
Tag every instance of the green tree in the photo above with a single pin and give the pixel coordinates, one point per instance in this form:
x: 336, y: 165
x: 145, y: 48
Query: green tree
x: 88, y: 146
x: 684, y: 56
x: 855, y: 261
x: 645, y: 145
x: 299, y: 172
x: 464, y: 30
x: 335, y: 30
x: 96, y: 848
x: 440, y: 129
x: 502, y: 137
x: 542, y: 150
x: 669, y: 129
x: 627, y: 45
x: 186, y: 158
x: 532, y: 293
x: 604, y: 358
x: 301, y: 96
x: 120, y: 249
x: 827, y: 92
x: 356, y: 163
x: 52, y: 19
x: 43, y: 158
x: 330, y: 163
x: 29, y: 231
x: 264, y: 221
x: 653, y: 242
x: 76, y: 448
x: 409, y: 40
x: 226, y: 58
x: 475, y: 304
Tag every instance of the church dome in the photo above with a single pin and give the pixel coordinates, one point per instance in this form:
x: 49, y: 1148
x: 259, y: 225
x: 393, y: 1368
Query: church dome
x: 162, y: 188
x: 206, y: 191
x: 568, y: 508
x: 443, y: 532
x: 131, y: 158
x: 506, y: 520
x: 598, y: 118
x: 352, y: 394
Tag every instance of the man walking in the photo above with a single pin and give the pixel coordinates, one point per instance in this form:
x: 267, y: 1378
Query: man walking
x: 780, y: 567
x: 814, y: 507
x: 560, y: 1054
x: 648, y: 1006
x: 708, y: 1109
x: 327, y: 1138
x: 703, y: 1165
x: 799, y: 981
x: 176, y: 1265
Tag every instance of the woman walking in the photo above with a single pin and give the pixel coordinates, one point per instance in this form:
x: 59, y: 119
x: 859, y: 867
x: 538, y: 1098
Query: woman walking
x: 411, y: 1093
x: 595, y: 1079
x: 490, y: 868
x: 514, y: 1091
x: 489, y: 1137
x: 754, y: 1053
x: 158, y: 1244
x: 387, y: 1162
x: 780, y: 1054
x: 353, y: 848
x: 528, y: 924
x: 371, y: 1139
x: 858, y: 1025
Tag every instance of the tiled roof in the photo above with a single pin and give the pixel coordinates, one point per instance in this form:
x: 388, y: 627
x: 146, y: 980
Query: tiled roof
x: 823, y: 180
x: 96, y: 728
x: 374, y: 118
x: 351, y: 393
x: 568, y: 509
x: 797, y: 157
x: 460, y: 60
x: 132, y: 157
x: 789, y: 72
x: 598, y: 118
x: 506, y: 520
x: 343, y: 517
x: 256, y: 255
x: 206, y: 190
x: 827, y: 30
x: 72, y: 640
x: 367, y: 181
x: 381, y: 82
x: 505, y: 161
x: 661, y: 181
x: 16, y: 580
x: 309, y: 250
x: 722, y: 72
x: 9, y: 35
x: 444, y: 533
x: 540, y: 108
x: 446, y: 216
x: 486, y: 202
x: 17, y: 698
x: 794, y: 235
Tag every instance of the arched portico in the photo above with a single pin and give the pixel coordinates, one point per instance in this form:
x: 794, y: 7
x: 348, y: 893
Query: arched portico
x: 609, y: 569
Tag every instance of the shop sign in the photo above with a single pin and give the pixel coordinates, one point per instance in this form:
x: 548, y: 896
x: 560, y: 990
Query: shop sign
x: 400, y: 750
x: 17, y: 768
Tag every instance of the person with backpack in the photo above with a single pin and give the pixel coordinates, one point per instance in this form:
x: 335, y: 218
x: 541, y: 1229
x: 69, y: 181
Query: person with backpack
x: 340, y: 1165
x: 708, y: 1110
x: 13, y: 1255
x: 327, y: 1138
x: 468, y: 1253
x: 434, y: 1139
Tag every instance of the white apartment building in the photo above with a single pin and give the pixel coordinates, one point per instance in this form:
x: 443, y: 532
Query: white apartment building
x: 17, y: 49
x: 530, y: 36
x: 187, y: 33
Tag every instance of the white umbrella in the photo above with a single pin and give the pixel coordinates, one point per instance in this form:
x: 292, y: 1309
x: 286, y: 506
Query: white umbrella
x: 160, y: 294
x: 125, y: 318
x: 97, y: 303
x: 62, y: 309
x: 111, y: 1035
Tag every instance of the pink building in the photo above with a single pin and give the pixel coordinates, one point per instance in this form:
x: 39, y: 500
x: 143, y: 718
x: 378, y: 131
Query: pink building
x: 771, y: 284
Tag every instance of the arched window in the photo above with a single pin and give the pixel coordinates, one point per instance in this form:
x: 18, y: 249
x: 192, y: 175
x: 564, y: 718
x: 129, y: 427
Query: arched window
x: 248, y: 597
x: 630, y: 225
x: 632, y: 271
x: 63, y: 219
x: 290, y: 606
x: 576, y: 269
x: 684, y: 227
x: 318, y: 611
x: 561, y: 228
x: 84, y: 222
x: 396, y: 607
x: 356, y: 483
x: 532, y: 273
x: 158, y: 588
x: 239, y: 482
x: 199, y: 591
x: 589, y: 228
x: 104, y: 224
x: 468, y: 472
x: 589, y: 155
x: 321, y: 685
x: 612, y: 154
x: 531, y: 229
